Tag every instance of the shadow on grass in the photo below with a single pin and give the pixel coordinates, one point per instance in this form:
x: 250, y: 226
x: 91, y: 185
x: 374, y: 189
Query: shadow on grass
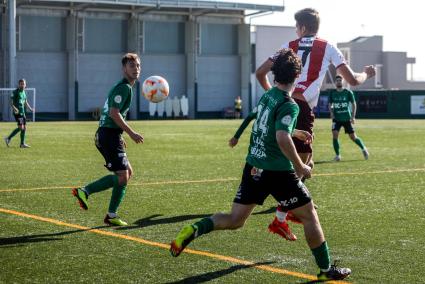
x: 267, y: 211
x: 7, y: 242
x: 217, y: 274
x: 334, y: 162
x: 153, y: 220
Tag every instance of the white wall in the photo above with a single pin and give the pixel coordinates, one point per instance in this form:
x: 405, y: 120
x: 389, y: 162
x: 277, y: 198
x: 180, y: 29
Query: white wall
x: 219, y: 82
x: 171, y: 67
x: 97, y: 74
x: 268, y: 39
x: 45, y: 71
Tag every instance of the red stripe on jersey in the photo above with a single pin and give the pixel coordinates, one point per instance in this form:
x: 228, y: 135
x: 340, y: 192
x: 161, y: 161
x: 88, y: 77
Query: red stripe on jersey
x: 294, y: 45
x: 316, y: 59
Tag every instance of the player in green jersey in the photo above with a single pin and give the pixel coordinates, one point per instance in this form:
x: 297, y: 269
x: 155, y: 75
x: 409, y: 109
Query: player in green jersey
x: 272, y: 167
x: 19, y: 102
x: 110, y: 143
x: 342, y: 107
x: 279, y: 225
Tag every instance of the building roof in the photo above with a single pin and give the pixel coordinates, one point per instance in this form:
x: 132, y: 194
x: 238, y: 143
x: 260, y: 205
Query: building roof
x: 158, y: 5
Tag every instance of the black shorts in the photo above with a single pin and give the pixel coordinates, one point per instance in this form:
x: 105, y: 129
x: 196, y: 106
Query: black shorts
x: 284, y: 186
x: 110, y: 144
x: 305, y: 120
x: 20, y: 119
x: 348, y: 126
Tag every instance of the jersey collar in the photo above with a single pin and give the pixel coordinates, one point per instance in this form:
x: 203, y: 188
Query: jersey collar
x: 284, y: 93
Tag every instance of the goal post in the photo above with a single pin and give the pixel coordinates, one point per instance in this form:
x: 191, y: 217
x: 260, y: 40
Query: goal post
x: 5, y: 102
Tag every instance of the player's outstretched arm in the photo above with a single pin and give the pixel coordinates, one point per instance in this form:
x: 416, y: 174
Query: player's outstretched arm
x: 119, y: 120
x: 354, y: 78
x: 234, y: 140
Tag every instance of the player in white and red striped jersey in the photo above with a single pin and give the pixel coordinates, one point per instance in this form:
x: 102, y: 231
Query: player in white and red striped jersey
x: 316, y: 55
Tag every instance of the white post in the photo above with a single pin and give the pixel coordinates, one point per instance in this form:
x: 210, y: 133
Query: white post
x: 33, y: 106
x: 12, y: 42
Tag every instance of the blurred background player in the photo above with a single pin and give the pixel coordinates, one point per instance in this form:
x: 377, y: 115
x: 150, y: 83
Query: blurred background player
x: 238, y: 107
x: 342, y: 107
x: 272, y: 168
x: 110, y: 143
x: 19, y: 102
x: 316, y: 55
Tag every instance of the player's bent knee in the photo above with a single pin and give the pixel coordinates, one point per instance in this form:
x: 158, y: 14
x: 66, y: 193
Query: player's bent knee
x: 306, y: 213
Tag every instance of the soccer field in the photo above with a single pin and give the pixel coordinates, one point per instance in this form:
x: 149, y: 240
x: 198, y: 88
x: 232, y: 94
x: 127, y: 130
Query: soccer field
x: 372, y: 212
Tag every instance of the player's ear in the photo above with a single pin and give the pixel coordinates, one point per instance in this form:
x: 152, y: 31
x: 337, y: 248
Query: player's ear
x: 303, y: 30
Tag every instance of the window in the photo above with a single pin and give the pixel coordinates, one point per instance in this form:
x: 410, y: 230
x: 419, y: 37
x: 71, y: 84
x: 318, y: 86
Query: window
x: 37, y: 33
x: 105, y: 36
x: 164, y: 37
x: 346, y: 53
x: 378, y: 76
x: 219, y: 39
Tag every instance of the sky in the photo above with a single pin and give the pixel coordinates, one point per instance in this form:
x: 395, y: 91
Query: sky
x: 400, y: 23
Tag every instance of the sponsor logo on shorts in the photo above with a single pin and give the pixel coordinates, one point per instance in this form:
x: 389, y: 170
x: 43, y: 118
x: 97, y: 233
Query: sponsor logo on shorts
x: 290, y: 201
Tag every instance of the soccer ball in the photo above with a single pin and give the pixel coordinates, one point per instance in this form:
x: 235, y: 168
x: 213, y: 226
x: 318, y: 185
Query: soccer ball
x: 155, y: 89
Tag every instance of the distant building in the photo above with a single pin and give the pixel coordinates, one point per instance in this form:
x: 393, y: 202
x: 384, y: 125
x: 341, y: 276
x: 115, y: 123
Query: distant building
x: 391, y: 66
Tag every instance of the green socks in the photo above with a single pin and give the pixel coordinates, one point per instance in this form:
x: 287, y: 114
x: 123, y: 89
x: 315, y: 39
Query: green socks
x: 321, y: 255
x: 14, y: 132
x: 101, y: 184
x: 359, y: 143
x: 118, y: 193
x: 204, y: 226
x: 336, y: 146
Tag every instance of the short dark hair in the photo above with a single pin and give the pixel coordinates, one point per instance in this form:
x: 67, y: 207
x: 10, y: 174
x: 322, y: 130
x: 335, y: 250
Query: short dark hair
x: 309, y: 18
x: 338, y: 77
x: 22, y: 80
x: 129, y: 57
x: 286, y: 66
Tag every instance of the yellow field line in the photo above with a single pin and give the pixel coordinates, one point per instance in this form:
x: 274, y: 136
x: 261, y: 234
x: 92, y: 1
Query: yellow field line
x: 217, y: 180
x: 164, y: 246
